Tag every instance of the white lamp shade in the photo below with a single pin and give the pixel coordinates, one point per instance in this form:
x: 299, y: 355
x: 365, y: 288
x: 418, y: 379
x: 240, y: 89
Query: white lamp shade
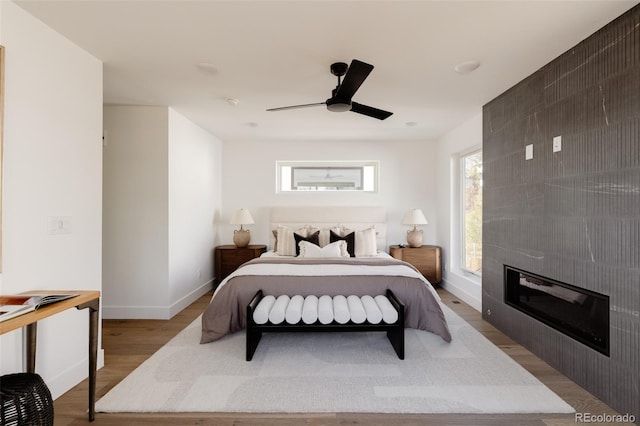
x: 242, y: 217
x: 414, y: 217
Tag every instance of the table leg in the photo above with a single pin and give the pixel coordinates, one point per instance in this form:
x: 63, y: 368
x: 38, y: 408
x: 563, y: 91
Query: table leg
x: 94, y: 307
x: 32, y: 338
x: 93, y: 361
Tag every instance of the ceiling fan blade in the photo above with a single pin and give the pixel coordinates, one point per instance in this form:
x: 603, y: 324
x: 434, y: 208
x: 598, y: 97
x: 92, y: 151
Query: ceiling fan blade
x: 370, y: 111
x: 297, y: 106
x: 356, y: 74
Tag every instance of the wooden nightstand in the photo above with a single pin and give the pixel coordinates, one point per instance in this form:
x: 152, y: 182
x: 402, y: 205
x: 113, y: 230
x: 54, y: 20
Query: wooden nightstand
x: 228, y: 258
x: 427, y: 259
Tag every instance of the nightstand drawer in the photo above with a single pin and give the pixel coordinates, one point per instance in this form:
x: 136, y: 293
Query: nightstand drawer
x: 237, y: 257
x: 426, y: 259
x: 228, y: 258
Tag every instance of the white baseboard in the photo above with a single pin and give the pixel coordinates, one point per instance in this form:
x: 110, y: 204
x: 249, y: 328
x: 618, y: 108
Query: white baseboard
x: 155, y: 312
x: 469, y: 291
x: 185, y: 301
x: 135, y: 312
x: 62, y: 382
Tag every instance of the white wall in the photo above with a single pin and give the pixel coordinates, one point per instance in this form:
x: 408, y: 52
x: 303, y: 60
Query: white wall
x: 194, y: 200
x: 135, y: 211
x: 161, y: 192
x: 407, y: 180
x: 52, y: 167
x: 460, y: 140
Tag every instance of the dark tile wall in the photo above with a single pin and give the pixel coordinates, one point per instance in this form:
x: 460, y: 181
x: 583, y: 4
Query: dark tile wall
x: 573, y: 215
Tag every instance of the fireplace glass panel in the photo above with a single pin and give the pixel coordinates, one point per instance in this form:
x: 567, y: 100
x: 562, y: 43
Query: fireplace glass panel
x: 579, y: 313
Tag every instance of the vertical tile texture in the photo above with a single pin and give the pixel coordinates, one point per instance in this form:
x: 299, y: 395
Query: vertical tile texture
x: 573, y: 215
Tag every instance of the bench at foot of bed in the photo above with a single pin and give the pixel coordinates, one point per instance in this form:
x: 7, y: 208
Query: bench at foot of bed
x: 275, y: 315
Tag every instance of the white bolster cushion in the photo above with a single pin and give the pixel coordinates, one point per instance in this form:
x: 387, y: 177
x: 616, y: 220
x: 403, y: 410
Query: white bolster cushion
x: 358, y: 314
x: 341, y: 309
x: 310, y: 309
x: 294, y: 310
x: 277, y: 313
x: 325, y: 309
x: 261, y: 313
x: 374, y: 314
x: 389, y: 313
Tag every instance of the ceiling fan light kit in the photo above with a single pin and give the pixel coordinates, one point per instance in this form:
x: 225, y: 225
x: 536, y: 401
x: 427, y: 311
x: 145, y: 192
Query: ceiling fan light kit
x: 338, y: 105
x: 208, y: 68
x: 340, y: 100
x: 467, y: 66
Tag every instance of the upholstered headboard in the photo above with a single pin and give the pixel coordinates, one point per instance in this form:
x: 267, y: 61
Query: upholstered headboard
x: 325, y: 217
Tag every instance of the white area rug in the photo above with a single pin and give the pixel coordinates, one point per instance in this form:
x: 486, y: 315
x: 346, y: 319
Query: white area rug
x: 333, y: 372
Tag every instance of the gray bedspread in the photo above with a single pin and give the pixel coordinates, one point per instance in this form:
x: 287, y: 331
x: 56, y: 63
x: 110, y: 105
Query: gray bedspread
x: 227, y: 311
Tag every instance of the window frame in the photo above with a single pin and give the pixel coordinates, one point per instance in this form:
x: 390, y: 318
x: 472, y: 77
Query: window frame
x: 462, y: 224
x: 285, y: 171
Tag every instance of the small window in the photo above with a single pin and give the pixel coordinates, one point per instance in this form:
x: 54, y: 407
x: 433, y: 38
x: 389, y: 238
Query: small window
x: 327, y: 176
x: 471, y: 211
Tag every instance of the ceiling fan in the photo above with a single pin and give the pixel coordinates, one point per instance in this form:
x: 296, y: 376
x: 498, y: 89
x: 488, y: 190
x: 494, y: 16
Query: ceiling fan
x: 340, y: 100
x: 327, y: 176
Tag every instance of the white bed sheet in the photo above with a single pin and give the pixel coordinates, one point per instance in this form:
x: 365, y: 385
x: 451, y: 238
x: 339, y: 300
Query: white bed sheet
x: 401, y: 269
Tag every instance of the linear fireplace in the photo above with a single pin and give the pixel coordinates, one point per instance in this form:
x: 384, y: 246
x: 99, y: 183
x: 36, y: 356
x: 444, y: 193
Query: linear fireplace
x: 578, y: 313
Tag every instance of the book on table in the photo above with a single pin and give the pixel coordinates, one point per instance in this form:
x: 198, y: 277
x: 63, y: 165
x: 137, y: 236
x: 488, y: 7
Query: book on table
x: 18, y: 304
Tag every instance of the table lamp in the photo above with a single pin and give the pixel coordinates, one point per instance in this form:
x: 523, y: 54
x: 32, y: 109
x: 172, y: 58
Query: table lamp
x: 241, y: 237
x: 414, y: 217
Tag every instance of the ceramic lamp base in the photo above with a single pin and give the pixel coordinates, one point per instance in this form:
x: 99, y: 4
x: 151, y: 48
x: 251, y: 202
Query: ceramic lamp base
x: 414, y: 238
x: 241, y: 237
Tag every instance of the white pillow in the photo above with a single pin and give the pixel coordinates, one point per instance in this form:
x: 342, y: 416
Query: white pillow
x: 337, y: 249
x: 365, y: 243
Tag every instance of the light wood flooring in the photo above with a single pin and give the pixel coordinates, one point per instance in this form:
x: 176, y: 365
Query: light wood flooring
x: 127, y: 343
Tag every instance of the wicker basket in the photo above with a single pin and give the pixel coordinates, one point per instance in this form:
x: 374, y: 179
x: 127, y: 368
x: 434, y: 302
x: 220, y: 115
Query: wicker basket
x: 25, y: 400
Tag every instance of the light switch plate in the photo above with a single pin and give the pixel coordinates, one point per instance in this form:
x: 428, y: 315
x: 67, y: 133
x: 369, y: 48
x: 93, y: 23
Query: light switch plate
x: 557, y: 144
x: 528, y: 152
x: 59, y: 225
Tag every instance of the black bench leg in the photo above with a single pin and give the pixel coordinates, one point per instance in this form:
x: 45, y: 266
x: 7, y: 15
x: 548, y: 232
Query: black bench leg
x: 396, y: 337
x: 253, y: 338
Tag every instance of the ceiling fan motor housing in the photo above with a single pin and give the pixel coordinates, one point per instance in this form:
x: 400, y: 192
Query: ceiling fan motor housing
x: 336, y: 104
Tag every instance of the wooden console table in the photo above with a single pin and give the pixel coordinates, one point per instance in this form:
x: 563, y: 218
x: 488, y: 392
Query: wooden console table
x: 84, y: 300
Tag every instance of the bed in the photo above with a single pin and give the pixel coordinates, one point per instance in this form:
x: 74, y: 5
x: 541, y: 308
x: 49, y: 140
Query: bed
x: 358, y: 231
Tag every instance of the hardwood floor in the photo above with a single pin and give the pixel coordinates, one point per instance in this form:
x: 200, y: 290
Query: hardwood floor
x: 127, y: 343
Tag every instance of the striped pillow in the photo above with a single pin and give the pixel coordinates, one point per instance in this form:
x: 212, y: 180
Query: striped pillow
x: 286, y: 243
x: 366, y: 244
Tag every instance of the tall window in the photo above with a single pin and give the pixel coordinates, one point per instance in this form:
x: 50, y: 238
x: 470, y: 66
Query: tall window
x: 471, y: 203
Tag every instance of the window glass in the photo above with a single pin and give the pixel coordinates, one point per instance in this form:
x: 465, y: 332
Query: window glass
x: 471, y: 203
x: 327, y: 176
